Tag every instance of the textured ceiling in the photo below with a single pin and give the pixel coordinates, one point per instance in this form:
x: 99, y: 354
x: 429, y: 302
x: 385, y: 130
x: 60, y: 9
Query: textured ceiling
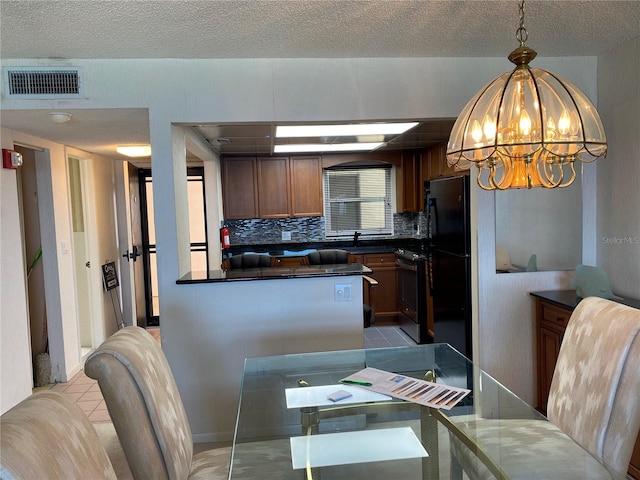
x: 74, y: 29
x: 309, y: 28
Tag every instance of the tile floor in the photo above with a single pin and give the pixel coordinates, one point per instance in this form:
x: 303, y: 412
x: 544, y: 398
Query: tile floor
x: 86, y: 392
x: 387, y: 336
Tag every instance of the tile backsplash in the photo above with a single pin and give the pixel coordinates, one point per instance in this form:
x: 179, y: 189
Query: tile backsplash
x: 311, y: 229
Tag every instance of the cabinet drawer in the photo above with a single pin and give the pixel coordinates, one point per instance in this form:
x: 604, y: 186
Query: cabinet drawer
x: 554, y: 316
x: 286, y: 261
x: 373, y: 259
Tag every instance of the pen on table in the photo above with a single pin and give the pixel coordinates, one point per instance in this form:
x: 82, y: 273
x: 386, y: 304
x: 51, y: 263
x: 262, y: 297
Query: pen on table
x: 355, y: 382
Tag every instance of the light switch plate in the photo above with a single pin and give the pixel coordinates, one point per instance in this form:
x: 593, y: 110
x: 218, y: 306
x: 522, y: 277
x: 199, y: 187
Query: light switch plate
x: 342, y: 292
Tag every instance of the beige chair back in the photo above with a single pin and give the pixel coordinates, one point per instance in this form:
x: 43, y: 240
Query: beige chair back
x: 48, y: 436
x: 144, y: 404
x: 595, y: 391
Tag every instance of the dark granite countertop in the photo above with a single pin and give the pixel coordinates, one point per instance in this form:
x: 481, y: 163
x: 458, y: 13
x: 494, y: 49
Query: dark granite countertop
x: 569, y: 299
x: 273, y: 273
x: 361, y: 247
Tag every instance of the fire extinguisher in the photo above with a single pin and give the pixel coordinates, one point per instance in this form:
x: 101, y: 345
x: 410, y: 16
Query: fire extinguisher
x: 224, y: 237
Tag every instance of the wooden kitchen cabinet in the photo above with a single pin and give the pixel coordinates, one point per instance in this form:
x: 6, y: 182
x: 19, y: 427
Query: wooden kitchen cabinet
x: 551, y: 322
x: 384, y: 299
x: 239, y: 188
x: 411, y: 186
x: 273, y: 187
x: 306, y: 186
x: 437, y: 161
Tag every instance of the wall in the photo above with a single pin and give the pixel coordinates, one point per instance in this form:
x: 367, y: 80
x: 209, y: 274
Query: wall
x: 55, y: 224
x: 618, y: 187
x: 253, y: 90
x: 15, y: 350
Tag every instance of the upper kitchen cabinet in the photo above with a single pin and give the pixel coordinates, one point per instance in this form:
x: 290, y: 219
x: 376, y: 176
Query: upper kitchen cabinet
x: 274, y: 196
x: 281, y: 187
x: 437, y: 163
x: 239, y: 188
x: 410, y: 188
x: 306, y: 186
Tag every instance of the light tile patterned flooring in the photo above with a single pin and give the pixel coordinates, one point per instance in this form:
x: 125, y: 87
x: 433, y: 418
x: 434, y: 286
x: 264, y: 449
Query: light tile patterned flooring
x: 86, y: 392
x: 386, y: 336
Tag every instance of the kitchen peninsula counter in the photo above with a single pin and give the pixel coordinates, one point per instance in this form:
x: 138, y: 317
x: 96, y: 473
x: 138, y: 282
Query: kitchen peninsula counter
x: 274, y: 273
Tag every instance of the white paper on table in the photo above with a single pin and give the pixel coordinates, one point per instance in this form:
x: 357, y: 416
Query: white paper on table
x: 317, y: 396
x: 355, y: 447
x: 431, y: 394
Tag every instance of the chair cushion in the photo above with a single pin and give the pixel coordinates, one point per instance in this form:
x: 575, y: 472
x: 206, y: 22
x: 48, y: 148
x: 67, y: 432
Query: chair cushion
x: 250, y: 260
x: 48, y: 436
x: 512, y: 443
x: 109, y: 440
x: 328, y: 257
x: 211, y: 464
x: 144, y: 404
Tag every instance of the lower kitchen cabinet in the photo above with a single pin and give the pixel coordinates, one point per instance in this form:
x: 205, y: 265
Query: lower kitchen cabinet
x: 385, y: 295
x: 551, y: 323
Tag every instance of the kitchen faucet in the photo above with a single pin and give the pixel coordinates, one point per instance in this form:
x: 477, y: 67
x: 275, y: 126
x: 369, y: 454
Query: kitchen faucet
x: 355, y: 238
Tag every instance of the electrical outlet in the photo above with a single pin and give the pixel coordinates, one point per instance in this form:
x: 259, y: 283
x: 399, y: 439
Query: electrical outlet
x: 286, y: 236
x: 342, y: 292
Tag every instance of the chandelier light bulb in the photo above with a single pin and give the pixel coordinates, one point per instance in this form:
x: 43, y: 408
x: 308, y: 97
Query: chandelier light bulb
x: 489, y: 129
x: 476, y: 132
x: 525, y: 123
x: 564, y: 124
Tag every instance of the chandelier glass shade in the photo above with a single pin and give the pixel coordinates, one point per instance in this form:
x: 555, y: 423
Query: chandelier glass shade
x: 526, y: 129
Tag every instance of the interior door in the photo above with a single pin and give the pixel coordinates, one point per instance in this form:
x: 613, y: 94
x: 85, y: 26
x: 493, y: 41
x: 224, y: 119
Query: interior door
x: 135, y: 254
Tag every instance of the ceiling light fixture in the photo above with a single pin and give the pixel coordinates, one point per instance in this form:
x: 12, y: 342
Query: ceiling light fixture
x: 343, y: 130
x: 60, y: 117
x: 134, y: 150
x: 326, y: 147
x: 526, y: 128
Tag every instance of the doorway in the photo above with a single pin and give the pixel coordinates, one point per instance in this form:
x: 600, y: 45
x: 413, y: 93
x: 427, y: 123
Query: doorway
x: 198, y: 234
x: 81, y: 244
x: 30, y: 218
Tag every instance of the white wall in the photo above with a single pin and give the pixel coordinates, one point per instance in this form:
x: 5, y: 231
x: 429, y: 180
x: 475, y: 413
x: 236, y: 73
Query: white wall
x: 56, y: 231
x: 249, y: 90
x: 618, y: 187
x: 15, y: 347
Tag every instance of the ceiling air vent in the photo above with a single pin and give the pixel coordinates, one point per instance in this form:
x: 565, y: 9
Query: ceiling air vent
x: 43, y: 82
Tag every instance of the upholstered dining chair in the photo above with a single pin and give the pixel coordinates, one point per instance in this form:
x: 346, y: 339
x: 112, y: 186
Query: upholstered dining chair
x: 147, y: 411
x: 328, y: 256
x: 247, y: 260
x: 47, y: 435
x: 593, y: 397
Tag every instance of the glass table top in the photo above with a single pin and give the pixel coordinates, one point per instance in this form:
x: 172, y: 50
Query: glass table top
x: 491, y: 431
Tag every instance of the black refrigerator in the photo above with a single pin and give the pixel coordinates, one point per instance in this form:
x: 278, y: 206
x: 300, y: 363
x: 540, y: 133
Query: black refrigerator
x: 449, y: 260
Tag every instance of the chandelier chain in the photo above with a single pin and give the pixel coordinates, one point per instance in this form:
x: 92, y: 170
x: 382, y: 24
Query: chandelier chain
x: 521, y: 33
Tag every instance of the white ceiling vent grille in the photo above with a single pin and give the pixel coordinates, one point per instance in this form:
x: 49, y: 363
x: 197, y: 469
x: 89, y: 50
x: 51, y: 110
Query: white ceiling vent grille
x: 43, y: 82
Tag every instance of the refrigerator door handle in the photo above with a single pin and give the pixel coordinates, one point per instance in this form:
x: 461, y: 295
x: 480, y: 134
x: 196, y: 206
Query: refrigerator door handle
x: 432, y: 219
x: 432, y: 288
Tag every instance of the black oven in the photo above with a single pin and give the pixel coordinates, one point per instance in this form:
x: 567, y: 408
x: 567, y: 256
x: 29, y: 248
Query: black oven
x: 412, y: 295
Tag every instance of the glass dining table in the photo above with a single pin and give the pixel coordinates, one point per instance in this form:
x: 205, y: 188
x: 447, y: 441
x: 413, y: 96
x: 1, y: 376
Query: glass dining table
x: 287, y: 427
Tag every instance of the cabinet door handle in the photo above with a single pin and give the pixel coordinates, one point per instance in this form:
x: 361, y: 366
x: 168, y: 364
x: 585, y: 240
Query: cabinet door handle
x: 559, y: 319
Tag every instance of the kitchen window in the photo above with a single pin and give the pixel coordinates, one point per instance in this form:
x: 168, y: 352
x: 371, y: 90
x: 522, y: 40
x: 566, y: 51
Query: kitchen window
x: 357, y: 199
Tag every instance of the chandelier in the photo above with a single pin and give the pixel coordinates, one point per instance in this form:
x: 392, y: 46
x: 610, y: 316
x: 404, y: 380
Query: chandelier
x: 526, y: 128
